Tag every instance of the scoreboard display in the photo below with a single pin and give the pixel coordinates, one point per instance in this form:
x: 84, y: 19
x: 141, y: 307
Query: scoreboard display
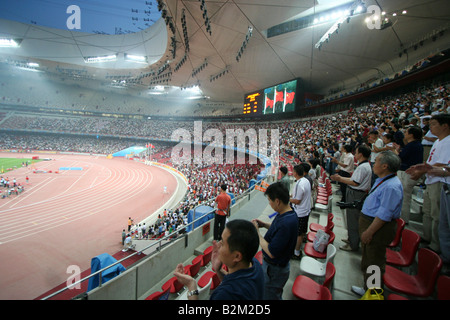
x: 253, y: 103
x: 280, y: 98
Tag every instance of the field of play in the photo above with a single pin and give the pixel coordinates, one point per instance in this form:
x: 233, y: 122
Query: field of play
x: 66, y: 217
x: 13, y: 163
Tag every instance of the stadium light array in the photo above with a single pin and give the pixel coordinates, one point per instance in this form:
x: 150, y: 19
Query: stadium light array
x: 135, y: 58
x: 97, y: 59
x: 10, y: 43
x: 358, y: 7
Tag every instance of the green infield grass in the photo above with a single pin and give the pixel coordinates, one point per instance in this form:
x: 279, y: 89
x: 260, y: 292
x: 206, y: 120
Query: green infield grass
x: 7, y: 164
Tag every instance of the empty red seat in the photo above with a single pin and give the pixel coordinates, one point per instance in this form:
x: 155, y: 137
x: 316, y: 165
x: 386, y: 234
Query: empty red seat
x: 203, y: 281
x: 400, y: 226
x: 394, y: 296
x: 418, y: 285
x: 322, y: 200
x: 314, y: 227
x: 329, y: 275
x: 443, y: 288
x: 259, y: 256
x: 207, y: 256
x: 173, y: 284
x: 159, y: 295
x: 404, y: 257
x: 194, y: 268
x: 305, y: 288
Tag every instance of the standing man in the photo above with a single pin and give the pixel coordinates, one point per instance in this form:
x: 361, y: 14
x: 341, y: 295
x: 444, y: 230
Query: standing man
x: 346, y: 165
x: 377, y: 144
x: 124, y: 235
x: 439, y: 157
x: 410, y: 155
x: 285, y: 178
x: 301, y: 203
x: 278, y: 242
x: 398, y: 135
x: 130, y: 223
x: 357, y: 187
x: 428, y: 137
x: 377, y: 225
x: 444, y: 218
x: 223, y: 202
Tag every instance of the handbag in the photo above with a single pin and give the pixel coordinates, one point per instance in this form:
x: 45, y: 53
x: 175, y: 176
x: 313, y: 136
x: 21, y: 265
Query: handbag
x: 373, y: 294
x: 320, y: 242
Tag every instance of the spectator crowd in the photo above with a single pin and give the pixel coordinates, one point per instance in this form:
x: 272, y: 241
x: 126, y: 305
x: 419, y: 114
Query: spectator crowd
x: 381, y: 125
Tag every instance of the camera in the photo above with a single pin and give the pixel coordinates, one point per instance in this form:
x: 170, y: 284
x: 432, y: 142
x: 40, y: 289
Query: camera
x: 357, y: 204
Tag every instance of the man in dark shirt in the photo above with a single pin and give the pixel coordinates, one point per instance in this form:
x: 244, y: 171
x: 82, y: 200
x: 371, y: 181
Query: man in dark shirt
x: 285, y: 177
x: 244, y: 279
x: 279, y: 242
x: 411, y: 154
x: 398, y: 135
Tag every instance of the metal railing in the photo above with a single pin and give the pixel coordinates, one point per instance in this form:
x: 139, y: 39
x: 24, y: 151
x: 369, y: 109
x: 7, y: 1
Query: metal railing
x: 177, y: 233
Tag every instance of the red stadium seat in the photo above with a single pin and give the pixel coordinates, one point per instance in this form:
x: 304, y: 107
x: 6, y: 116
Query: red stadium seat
x: 443, y: 288
x: 400, y: 226
x: 310, y: 251
x: 404, y: 257
x: 259, y: 256
x: 314, y: 227
x: 394, y: 296
x: 329, y: 275
x: 305, y: 288
x: 173, y: 284
x: 194, y: 268
x: 203, y: 281
x: 159, y: 295
x: 311, y: 235
x: 418, y: 285
x: 207, y: 256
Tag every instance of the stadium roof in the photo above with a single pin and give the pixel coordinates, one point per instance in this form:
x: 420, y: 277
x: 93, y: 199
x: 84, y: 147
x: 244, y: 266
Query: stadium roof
x: 230, y: 48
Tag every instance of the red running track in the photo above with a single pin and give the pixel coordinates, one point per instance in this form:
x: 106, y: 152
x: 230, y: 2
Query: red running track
x: 69, y: 217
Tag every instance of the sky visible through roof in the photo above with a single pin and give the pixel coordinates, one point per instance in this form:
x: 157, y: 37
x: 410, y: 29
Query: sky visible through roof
x: 95, y: 16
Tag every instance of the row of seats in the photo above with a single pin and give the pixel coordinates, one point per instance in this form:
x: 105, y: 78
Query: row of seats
x: 420, y: 285
x: 324, y: 194
x: 317, y: 265
x: 400, y: 256
x: 401, y: 253
x: 304, y: 287
x: 173, y: 286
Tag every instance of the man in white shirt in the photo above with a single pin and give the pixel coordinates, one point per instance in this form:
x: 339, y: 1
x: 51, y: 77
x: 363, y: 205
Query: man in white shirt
x: 358, y: 186
x: 128, y: 243
x: 439, y: 157
x: 377, y: 144
x: 427, y: 142
x: 301, y: 203
x: 345, y: 167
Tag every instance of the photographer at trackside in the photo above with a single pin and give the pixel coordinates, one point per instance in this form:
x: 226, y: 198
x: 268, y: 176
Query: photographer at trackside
x: 358, y: 185
x: 377, y: 225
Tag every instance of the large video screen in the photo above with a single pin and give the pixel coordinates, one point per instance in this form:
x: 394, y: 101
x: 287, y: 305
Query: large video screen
x: 280, y: 98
